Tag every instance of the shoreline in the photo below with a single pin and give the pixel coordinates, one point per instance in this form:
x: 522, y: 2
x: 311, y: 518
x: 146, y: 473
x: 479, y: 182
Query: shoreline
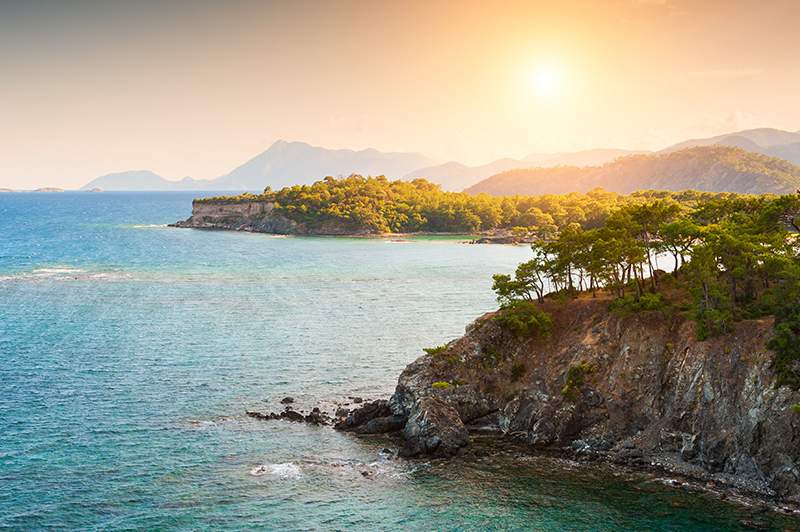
x: 466, y: 238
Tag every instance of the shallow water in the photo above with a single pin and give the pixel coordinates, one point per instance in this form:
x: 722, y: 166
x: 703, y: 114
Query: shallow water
x: 129, y: 352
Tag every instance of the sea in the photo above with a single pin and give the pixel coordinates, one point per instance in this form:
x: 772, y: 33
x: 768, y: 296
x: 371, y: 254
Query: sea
x: 130, y: 351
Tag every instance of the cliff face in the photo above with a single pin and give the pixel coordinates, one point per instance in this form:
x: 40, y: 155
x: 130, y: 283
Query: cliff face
x: 255, y: 216
x: 638, y: 390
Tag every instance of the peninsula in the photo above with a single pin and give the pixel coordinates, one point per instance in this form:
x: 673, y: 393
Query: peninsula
x: 694, y: 372
x: 374, y: 206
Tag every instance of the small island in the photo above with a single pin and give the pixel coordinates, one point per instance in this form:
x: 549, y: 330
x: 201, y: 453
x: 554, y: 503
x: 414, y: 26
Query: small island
x: 376, y: 206
x: 49, y: 189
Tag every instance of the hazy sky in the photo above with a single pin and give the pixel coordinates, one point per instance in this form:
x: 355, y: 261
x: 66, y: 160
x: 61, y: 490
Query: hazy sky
x: 195, y: 88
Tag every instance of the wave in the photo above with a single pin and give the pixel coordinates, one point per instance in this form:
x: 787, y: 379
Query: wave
x: 63, y: 273
x: 147, y: 226
x: 285, y: 471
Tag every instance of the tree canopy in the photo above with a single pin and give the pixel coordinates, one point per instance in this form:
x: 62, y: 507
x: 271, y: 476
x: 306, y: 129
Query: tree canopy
x: 735, y: 256
x: 378, y: 205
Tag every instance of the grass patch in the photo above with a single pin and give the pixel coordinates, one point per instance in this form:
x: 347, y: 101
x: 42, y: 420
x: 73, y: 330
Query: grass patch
x: 440, y: 385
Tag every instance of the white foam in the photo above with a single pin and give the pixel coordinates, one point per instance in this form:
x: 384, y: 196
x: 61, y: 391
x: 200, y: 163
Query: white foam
x: 54, y: 271
x: 284, y: 471
x: 63, y: 273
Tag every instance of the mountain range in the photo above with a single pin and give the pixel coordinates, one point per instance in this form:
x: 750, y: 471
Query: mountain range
x: 288, y: 163
x: 714, y: 168
x: 284, y: 163
x: 767, y: 141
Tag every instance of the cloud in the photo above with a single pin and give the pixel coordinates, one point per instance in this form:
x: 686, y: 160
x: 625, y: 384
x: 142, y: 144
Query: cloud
x: 729, y: 73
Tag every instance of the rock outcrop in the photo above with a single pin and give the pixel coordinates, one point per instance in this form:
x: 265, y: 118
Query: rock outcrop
x: 257, y: 216
x: 638, y: 390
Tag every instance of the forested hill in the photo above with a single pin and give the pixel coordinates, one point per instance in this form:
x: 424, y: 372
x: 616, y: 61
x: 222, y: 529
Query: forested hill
x: 705, y: 168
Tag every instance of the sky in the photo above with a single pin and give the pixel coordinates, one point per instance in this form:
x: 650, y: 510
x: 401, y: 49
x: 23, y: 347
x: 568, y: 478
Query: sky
x: 198, y: 87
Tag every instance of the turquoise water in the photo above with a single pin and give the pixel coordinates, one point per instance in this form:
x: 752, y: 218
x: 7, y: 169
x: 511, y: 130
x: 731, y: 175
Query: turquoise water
x: 129, y: 352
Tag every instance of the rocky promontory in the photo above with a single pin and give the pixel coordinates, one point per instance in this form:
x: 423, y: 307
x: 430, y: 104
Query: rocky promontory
x: 637, y: 389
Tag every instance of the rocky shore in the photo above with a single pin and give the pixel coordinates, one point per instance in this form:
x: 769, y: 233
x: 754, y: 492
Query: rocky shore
x: 637, y: 391
x: 260, y: 217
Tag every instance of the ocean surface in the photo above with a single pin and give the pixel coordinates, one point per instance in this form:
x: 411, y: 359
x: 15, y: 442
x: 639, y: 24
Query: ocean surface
x: 129, y: 352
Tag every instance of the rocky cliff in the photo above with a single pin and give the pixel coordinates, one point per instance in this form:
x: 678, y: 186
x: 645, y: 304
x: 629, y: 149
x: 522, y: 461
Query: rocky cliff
x: 638, y: 390
x: 256, y: 216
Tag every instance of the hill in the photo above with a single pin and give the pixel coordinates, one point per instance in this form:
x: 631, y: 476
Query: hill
x: 292, y: 163
x: 144, y: 180
x: 705, y: 168
x: 456, y: 176
x: 284, y: 163
x: 767, y: 141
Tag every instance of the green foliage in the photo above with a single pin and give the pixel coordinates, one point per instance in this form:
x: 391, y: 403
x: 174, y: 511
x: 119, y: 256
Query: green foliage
x: 785, y: 343
x: 576, y: 378
x: 377, y: 205
x: 796, y: 408
x: 525, y: 319
x: 517, y: 371
x: 630, y: 304
x: 490, y: 358
x: 440, y: 385
x: 434, y: 351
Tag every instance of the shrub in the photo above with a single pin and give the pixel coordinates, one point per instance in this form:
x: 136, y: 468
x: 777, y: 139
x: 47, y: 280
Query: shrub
x: 576, y: 377
x: 796, y: 408
x: 646, y: 302
x: 712, y: 322
x: 525, y: 319
x: 438, y: 350
x: 490, y: 358
x: 517, y: 371
x: 785, y: 343
x: 440, y: 385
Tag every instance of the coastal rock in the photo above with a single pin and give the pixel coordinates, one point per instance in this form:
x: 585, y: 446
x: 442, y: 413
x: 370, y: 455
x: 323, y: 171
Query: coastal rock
x: 258, y: 216
x: 365, y: 413
x: 649, y: 394
x: 433, y: 429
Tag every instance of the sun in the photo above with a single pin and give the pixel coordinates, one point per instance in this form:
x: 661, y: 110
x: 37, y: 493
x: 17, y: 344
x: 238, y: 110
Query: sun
x: 546, y: 80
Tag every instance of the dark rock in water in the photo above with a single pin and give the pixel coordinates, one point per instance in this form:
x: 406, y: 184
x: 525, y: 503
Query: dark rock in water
x: 434, y: 428
x: 342, y: 412
x: 356, y: 400
x: 367, y: 412
x: 287, y: 400
x: 291, y: 415
x: 382, y: 425
x: 318, y: 418
x: 260, y: 415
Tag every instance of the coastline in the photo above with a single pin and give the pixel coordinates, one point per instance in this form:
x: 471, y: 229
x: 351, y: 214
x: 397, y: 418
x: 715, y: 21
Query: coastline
x: 680, y: 409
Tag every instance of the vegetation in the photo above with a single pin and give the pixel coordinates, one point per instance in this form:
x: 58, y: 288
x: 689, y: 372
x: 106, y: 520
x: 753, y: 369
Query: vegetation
x: 718, y: 168
x: 440, y: 385
x: 438, y: 350
x: 377, y: 205
x: 524, y: 319
x: 735, y: 257
x: 517, y: 371
x: 576, y: 377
